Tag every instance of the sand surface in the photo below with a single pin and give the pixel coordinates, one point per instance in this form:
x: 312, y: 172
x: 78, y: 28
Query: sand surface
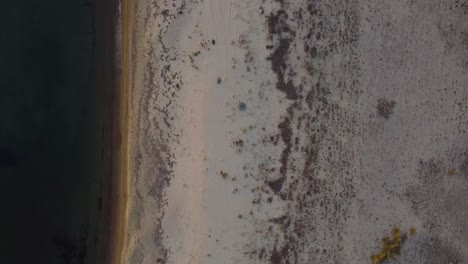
x: 297, y: 131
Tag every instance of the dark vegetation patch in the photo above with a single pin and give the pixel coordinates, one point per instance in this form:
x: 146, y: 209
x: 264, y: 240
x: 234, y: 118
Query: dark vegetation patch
x: 385, y: 108
x: 242, y: 106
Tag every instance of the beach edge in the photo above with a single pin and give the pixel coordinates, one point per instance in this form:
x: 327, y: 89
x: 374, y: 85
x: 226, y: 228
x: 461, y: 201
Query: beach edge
x: 120, y: 161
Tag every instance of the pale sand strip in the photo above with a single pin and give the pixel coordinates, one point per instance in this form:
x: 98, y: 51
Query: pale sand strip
x: 201, y: 209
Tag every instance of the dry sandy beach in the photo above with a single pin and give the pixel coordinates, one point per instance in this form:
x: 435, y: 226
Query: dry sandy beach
x: 285, y: 131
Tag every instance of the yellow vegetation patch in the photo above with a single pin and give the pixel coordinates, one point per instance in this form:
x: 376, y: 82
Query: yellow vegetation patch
x: 391, y: 247
x: 452, y: 171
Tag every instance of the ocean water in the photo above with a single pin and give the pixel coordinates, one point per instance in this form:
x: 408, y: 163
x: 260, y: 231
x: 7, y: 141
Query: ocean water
x: 50, y: 129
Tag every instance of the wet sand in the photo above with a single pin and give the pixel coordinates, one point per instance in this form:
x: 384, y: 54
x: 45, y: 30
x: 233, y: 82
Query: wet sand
x: 119, y: 223
x: 120, y: 134
x: 112, y: 198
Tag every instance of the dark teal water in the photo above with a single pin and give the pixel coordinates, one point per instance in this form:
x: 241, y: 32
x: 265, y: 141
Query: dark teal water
x: 49, y: 122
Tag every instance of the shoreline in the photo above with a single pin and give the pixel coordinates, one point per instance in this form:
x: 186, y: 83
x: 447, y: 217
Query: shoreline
x: 113, y: 190
x: 120, y: 135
